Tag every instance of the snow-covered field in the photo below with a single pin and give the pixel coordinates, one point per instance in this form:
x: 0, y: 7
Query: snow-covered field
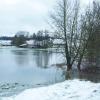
x: 5, y: 42
x: 68, y: 90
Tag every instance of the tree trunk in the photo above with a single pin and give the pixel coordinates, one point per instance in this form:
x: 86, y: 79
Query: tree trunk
x: 78, y: 66
x: 80, y: 61
x: 69, y: 67
x: 68, y: 72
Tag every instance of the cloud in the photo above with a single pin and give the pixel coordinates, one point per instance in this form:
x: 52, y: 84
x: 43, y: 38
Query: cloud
x: 26, y: 15
x: 18, y: 15
x: 8, y: 2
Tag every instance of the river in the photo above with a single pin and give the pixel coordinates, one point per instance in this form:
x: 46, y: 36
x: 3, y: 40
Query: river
x: 22, y: 68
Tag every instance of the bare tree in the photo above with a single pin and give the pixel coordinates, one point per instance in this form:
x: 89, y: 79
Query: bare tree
x: 86, y: 32
x: 65, y: 22
x: 94, y: 41
x: 75, y: 29
x: 90, y: 23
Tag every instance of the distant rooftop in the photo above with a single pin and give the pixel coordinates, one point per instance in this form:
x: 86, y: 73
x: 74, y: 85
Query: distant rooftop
x: 24, y: 33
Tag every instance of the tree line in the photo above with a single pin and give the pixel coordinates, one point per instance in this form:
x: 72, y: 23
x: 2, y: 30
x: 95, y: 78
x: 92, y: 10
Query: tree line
x: 41, y: 39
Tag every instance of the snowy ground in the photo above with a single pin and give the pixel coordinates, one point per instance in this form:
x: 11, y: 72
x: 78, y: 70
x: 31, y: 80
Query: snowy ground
x: 68, y: 90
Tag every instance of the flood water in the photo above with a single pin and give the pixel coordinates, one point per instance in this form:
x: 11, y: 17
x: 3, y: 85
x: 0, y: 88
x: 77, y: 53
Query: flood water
x: 22, y: 68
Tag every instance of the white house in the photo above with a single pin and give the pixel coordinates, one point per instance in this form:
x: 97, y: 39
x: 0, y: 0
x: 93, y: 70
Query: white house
x: 22, y: 33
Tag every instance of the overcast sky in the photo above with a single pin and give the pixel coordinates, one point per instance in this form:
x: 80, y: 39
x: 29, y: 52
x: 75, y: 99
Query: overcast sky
x: 28, y: 15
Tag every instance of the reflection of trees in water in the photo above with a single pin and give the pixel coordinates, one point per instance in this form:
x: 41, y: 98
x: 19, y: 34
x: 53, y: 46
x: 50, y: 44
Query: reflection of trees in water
x: 42, y: 58
x: 21, y: 56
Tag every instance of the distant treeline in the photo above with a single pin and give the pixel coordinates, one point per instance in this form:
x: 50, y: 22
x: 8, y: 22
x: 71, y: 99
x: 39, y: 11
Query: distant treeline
x: 11, y: 38
x: 6, y: 38
x: 27, y: 38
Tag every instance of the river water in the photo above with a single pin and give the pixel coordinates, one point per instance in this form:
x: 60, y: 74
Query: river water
x: 22, y: 68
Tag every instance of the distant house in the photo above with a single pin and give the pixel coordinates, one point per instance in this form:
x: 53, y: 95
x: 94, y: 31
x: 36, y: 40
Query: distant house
x: 39, y: 43
x: 20, y: 38
x: 45, y: 42
x: 22, y: 33
x: 58, y: 42
x: 30, y: 43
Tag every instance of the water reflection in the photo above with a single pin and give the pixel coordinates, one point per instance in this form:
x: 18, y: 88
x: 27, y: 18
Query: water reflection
x: 42, y: 58
x: 20, y: 52
x: 31, y: 66
x: 27, y: 67
x: 22, y: 64
x: 21, y: 56
x: 39, y: 58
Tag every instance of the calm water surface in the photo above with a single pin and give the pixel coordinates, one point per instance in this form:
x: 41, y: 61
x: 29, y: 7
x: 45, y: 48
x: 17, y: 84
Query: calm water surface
x: 22, y: 68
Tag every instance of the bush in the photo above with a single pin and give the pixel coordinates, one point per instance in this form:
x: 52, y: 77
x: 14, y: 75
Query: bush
x: 17, y: 41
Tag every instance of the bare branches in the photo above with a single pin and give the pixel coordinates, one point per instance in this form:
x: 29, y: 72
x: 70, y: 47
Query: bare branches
x: 65, y: 19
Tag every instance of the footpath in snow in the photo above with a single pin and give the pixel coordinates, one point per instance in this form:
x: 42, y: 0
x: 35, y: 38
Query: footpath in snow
x: 67, y: 90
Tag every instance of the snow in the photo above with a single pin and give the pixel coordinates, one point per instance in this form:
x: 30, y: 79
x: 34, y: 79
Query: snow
x: 5, y: 42
x: 30, y: 42
x: 58, y: 41
x: 67, y: 90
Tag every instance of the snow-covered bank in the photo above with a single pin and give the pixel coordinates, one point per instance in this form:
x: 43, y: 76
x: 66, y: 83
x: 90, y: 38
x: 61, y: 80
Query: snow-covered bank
x: 68, y: 90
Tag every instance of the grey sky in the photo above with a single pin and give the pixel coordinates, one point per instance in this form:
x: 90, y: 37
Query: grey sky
x: 28, y: 15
